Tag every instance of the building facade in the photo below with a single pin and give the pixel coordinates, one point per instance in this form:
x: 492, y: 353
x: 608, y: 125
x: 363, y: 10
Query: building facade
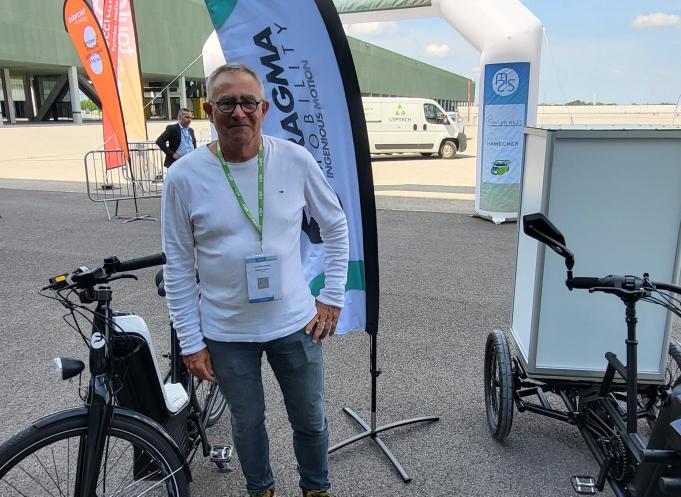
x: 39, y: 67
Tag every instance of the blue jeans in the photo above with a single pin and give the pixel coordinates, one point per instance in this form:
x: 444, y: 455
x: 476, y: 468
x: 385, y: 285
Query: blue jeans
x: 299, y: 368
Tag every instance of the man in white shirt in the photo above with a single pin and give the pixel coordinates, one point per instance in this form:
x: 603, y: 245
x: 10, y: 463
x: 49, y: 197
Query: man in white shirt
x: 234, y: 209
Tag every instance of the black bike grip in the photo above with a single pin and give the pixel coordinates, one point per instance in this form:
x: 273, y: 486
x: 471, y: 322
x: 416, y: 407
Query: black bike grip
x: 141, y: 263
x: 583, y: 282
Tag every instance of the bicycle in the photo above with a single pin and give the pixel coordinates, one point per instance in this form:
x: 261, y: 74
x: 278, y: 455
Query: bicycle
x: 135, y: 433
x: 606, y: 412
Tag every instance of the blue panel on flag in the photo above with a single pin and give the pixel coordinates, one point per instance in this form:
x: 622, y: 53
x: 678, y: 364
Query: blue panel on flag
x: 504, y: 117
x: 507, y: 83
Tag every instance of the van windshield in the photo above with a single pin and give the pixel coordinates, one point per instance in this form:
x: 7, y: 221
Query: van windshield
x: 434, y: 115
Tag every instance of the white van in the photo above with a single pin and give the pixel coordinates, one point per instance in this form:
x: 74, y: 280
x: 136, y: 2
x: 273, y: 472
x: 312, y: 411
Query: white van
x: 400, y: 125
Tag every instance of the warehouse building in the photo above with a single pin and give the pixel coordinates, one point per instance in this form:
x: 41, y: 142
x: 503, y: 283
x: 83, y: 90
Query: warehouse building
x: 41, y: 74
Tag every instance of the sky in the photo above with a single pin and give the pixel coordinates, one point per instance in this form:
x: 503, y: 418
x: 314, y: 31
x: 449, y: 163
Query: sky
x: 610, y: 51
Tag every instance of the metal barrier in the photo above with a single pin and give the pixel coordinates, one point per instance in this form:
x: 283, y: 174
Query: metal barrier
x: 142, y: 177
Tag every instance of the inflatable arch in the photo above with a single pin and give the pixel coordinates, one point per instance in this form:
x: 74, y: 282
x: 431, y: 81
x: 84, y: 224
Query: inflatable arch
x: 508, y: 37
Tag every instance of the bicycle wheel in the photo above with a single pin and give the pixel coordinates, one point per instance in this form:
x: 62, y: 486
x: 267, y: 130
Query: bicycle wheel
x: 673, y: 369
x: 498, y: 377
x: 137, y: 461
x: 672, y: 377
x: 210, y: 399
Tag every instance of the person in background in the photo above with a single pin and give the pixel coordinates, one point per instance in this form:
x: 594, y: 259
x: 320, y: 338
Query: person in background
x: 233, y: 209
x: 178, y: 139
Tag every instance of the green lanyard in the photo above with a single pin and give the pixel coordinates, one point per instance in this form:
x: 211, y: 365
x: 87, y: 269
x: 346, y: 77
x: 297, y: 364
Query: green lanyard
x: 261, y: 189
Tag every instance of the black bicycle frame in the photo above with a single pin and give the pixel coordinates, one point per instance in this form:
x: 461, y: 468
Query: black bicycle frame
x: 176, y: 364
x: 629, y: 372
x: 178, y: 374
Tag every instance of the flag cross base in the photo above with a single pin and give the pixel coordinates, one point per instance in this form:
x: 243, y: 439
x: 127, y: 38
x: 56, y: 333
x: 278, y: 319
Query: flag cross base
x: 136, y: 217
x: 373, y: 431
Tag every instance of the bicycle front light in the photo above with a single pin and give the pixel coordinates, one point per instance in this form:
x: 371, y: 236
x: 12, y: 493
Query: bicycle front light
x: 67, y: 368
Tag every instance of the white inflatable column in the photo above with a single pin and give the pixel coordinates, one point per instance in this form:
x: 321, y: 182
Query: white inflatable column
x: 509, y: 38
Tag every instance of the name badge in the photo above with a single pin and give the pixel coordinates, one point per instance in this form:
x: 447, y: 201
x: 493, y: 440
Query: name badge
x: 264, y: 278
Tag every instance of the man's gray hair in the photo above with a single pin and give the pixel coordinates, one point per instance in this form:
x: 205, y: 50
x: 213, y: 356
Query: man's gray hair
x: 231, y: 68
x: 182, y: 110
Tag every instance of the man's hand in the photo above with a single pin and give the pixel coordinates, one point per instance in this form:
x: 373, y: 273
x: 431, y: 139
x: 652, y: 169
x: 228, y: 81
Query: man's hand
x: 200, y: 365
x: 324, y: 323
x: 176, y: 156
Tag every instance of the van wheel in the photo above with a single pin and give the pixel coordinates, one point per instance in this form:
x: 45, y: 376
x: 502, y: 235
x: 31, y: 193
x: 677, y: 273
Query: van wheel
x: 448, y: 149
x: 426, y: 154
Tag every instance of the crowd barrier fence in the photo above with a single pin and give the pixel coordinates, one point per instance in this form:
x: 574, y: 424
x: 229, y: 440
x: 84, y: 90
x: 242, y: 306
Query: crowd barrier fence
x: 142, y: 177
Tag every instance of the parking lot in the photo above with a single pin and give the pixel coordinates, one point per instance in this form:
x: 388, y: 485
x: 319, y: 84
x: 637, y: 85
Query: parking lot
x: 445, y: 283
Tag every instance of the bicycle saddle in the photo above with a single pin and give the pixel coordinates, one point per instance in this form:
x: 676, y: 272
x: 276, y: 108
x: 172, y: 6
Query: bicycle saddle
x: 160, y: 286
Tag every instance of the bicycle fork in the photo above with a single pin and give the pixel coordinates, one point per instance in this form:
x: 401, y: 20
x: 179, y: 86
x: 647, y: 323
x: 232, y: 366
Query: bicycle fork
x: 91, y: 449
x: 100, y: 408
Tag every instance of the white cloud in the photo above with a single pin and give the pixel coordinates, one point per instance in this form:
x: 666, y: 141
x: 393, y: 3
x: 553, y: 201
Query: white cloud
x: 657, y: 20
x: 370, y: 28
x: 616, y: 71
x: 437, y: 50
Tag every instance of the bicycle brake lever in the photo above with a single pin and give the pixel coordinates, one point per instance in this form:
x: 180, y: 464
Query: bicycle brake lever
x: 617, y: 291
x: 123, y: 276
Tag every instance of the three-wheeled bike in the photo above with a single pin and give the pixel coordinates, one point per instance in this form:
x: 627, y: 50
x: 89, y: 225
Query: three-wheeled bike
x: 631, y: 424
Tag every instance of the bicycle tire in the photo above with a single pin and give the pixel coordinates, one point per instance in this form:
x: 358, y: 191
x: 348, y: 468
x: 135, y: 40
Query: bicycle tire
x: 674, y: 368
x: 211, y: 400
x: 498, y: 380
x: 672, y: 377
x: 152, y: 468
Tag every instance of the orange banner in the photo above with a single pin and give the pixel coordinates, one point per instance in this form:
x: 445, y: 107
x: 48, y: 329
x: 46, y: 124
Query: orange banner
x: 108, y: 20
x: 87, y: 37
x: 117, y: 18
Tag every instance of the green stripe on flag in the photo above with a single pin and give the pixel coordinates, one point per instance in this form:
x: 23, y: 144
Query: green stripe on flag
x: 354, y: 6
x: 355, y: 281
x: 219, y: 11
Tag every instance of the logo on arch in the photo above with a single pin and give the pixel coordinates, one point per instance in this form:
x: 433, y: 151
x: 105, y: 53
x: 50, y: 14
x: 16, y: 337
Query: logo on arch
x: 505, y: 82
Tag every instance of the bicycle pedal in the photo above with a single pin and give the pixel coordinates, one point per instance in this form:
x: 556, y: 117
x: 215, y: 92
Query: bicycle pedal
x: 221, y: 454
x: 224, y: 467
x: 584, y: 485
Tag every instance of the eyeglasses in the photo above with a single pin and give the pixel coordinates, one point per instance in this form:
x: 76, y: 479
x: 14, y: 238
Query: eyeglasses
x: 228, y: 105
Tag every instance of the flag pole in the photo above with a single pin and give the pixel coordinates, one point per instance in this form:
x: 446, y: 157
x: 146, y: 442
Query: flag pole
x: 367, y: 200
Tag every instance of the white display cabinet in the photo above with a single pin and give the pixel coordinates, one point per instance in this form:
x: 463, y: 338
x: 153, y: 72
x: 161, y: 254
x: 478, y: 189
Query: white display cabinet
x: 615, y: 194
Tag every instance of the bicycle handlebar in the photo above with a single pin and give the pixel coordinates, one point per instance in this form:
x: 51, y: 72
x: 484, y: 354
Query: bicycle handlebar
x: 141, y: 263
x: 583, y: 283
x: 668, y: 287
x: 619, y: 284
x: 87, y: 278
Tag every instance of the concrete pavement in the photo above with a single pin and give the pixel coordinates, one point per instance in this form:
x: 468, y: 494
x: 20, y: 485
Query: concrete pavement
x: 51, y: 158
x: 445, y: 282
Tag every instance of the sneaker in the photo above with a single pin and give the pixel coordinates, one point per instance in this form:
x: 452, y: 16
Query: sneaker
x: 267, y: 493
x: 317, y: 493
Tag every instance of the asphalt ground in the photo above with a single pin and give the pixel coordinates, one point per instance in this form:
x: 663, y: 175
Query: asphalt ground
x: 445, y: 283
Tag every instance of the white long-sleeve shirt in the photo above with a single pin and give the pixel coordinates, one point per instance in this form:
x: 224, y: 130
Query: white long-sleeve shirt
x: 204, y: 225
